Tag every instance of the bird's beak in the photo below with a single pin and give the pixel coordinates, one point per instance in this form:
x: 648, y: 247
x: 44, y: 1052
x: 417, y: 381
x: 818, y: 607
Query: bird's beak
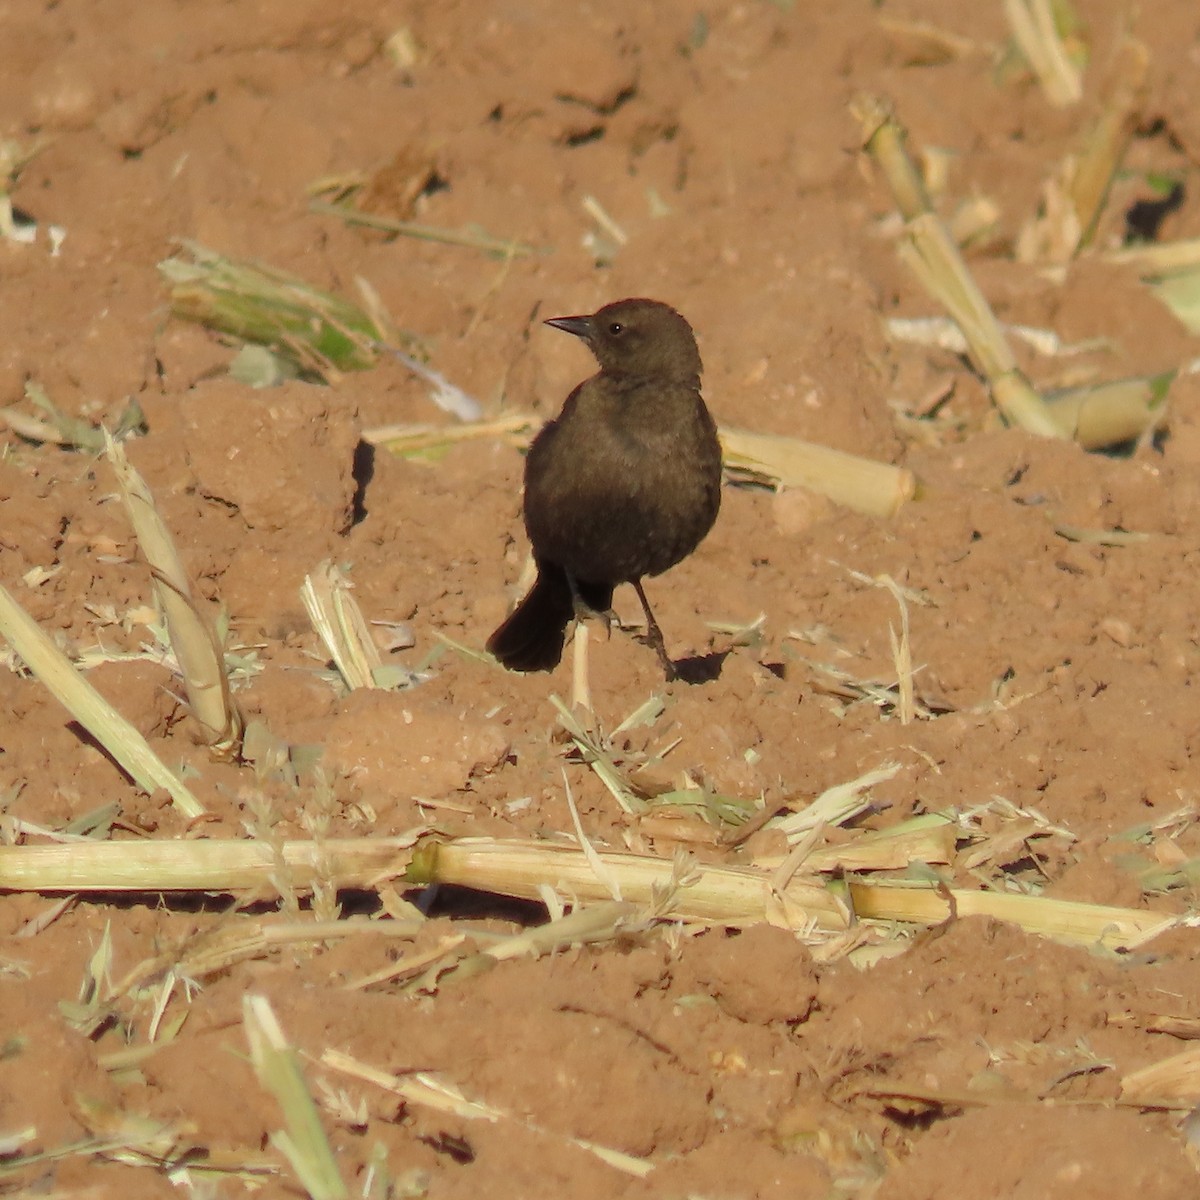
x: 581, y: 327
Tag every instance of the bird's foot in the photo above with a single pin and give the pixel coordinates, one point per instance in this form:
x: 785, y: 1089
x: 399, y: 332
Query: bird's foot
x: 654, y: 638
x: 584, y: 612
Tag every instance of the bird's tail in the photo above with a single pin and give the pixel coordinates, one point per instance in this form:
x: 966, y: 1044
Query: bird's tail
x: 532, y: 638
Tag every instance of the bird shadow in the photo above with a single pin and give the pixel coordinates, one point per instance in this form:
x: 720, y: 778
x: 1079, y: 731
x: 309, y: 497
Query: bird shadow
x: 701, y: 668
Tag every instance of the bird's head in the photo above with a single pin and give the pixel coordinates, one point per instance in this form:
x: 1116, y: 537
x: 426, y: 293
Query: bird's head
x: 638, y: 337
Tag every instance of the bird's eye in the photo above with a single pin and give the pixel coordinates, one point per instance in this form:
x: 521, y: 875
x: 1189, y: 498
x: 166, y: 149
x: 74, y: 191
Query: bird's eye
x: 615, y: 328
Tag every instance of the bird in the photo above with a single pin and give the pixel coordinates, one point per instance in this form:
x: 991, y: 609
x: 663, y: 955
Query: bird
x: 624, y: 483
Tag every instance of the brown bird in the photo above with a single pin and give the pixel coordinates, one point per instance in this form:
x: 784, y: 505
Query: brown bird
x: 624, y: 483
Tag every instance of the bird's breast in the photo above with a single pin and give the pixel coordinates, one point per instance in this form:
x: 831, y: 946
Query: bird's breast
x: 612, y: 495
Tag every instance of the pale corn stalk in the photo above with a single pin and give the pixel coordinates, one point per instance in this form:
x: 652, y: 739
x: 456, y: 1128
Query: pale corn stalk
x: 211, y: 865
x: 1171, y: 270
x: 668, y: 890
x: 303, y: 1143
x: 884, y: 139
x: 1070, y: 921
x: 89, y: 708
x: 1073, y: 196
x: 193, y: 639
x: 934, y: 259
x: 735, y: 896
x: 1159, y: 258
x: 1035, y: 32
x: 1106, y: 414
x: 739, y: 896
x: 1103, y: 151
x: 342, y: 628
x: 931, y: 254
x: 930, y: 838
x: 875, y: 488
x: 1175, y: 1078
x: 837, y: 805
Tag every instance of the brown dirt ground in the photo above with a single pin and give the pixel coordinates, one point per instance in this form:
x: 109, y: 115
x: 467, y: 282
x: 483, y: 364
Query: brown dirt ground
x: 739, y: 1064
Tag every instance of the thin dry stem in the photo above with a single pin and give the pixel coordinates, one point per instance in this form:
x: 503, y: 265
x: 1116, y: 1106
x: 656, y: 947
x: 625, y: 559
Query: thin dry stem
x: 428, y: 1091
x: 901, y: 654
x: 426, y: 233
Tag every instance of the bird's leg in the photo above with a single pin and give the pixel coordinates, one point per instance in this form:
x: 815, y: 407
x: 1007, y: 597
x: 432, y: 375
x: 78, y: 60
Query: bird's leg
x: 654, y: 635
